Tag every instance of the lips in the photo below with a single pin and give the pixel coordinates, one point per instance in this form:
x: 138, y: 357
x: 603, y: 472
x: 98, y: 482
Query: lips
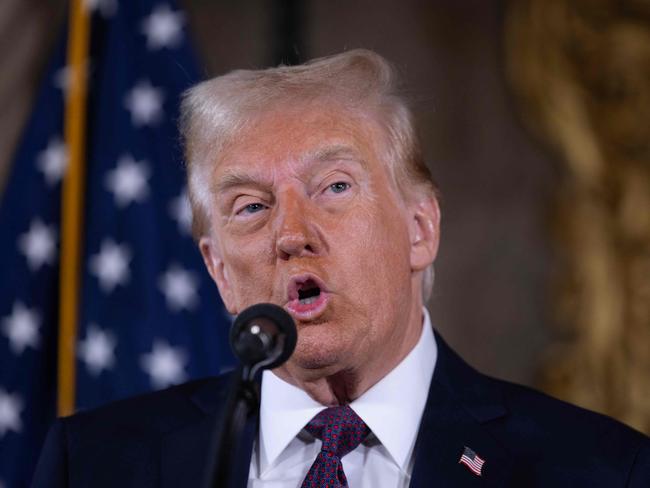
x: 307, y: 297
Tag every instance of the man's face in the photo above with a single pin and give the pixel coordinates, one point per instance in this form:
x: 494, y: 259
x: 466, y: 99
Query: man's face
x: 304, y: 215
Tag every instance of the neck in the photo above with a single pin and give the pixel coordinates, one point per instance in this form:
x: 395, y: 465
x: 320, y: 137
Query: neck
x: 348, y: 383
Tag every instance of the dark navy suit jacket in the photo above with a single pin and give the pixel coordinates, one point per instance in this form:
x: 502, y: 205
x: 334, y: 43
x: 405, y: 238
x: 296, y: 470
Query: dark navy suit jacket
x: 527, y: 439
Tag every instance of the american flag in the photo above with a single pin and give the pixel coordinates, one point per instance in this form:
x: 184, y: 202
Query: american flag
x: 149, y: 315
x: 472, y: 460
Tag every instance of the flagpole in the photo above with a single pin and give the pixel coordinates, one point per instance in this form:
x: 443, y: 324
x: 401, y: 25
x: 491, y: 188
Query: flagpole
x: 72, y: 204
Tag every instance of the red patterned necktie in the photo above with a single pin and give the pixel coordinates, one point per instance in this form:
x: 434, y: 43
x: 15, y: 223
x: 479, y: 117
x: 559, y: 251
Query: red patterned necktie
x: 341, y: 431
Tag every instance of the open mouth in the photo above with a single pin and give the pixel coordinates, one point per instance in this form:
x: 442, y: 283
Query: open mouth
x: 307, y: 297
x: 308, y: 292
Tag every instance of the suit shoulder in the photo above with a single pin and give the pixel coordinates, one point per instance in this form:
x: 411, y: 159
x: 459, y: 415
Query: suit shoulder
x: 530, y: 419
x: 562, y: 417
x: 123, y: 440
x: 546, y: 428
x: 157, y: 411
x: 548, y: 441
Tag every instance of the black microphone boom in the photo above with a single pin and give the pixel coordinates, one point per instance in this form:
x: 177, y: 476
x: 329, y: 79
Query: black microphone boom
x: 262, y: 337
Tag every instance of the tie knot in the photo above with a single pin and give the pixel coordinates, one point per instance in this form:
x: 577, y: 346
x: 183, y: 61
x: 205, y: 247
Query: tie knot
x: 340, y: 429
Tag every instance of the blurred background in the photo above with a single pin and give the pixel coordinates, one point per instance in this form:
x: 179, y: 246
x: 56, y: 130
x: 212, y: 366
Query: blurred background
x: 534, y: 119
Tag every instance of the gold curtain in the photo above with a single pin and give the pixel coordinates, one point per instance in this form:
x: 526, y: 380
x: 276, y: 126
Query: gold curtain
x: 581, y: 72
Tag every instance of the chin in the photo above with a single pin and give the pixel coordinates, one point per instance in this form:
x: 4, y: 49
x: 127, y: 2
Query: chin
x: 318, y: 353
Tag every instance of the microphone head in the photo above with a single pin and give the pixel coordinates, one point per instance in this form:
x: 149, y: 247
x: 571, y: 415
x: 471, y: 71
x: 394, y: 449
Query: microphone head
x: 263, y: 336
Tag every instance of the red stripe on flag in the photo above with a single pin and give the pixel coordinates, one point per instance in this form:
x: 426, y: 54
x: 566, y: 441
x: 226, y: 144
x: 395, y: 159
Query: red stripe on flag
x: 475, y: 465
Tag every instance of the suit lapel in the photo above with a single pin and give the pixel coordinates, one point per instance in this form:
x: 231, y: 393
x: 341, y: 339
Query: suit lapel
x: 185, y: 450
x: 460, y: 406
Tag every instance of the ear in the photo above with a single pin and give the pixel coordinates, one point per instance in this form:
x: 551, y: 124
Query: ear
x: 424, y: 232
x: 215, y: 265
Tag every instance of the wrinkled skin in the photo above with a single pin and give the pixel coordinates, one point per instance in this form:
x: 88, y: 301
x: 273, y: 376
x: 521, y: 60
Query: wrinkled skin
x: 306, y: 191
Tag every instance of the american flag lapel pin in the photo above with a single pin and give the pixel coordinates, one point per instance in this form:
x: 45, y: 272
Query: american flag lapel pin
x: 472, y: 460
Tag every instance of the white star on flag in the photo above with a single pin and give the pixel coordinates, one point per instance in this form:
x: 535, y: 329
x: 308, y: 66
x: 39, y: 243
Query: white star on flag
x: 179, y: 287
x: 38, y: 244
x: 111, y: 265
x: 181, y: 212
x: 107, y: 8
x: 164, y: 364
x: 21, y: 328
x: 10, y: 407
x: 128, y: 181
x: 97, y: 350
x: 63, y: 79
x: 53, y: 161
x: 163, y: 28
x: 145, y: 104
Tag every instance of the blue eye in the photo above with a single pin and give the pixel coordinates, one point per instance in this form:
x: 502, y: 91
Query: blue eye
x: 252, y: 208
x: 339, y: 186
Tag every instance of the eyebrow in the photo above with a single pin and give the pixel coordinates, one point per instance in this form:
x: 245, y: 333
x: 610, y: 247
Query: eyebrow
x: 231, y: 179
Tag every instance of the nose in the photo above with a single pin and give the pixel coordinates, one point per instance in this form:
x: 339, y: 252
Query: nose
x: 296, y: 235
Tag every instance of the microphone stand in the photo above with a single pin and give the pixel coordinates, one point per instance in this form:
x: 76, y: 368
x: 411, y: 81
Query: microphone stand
x: 263, y: 336
x: 242, y: 402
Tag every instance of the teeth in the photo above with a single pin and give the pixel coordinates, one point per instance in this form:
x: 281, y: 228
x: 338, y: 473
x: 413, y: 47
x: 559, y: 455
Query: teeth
x: 307, y: 301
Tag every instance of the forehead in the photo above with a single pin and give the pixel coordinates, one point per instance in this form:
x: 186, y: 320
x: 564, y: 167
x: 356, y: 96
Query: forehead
x: 303, y: 134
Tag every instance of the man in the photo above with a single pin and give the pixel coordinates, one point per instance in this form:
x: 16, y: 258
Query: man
x: 309, y: 191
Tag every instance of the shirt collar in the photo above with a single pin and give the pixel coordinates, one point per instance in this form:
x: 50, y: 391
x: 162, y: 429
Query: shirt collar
x: 392, y: 408
x: 284, y: 410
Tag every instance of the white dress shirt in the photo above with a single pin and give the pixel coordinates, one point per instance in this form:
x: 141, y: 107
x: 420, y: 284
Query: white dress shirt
x: 392, y: 409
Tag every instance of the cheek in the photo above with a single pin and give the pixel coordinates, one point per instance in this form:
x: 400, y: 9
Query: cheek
x: 246, y: 262
x: 377, y: 249
x: 389, y: 257
x: 387, y: 235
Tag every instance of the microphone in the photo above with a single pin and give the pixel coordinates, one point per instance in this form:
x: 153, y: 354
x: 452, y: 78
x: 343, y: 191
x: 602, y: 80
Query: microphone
x: 263, y: 336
